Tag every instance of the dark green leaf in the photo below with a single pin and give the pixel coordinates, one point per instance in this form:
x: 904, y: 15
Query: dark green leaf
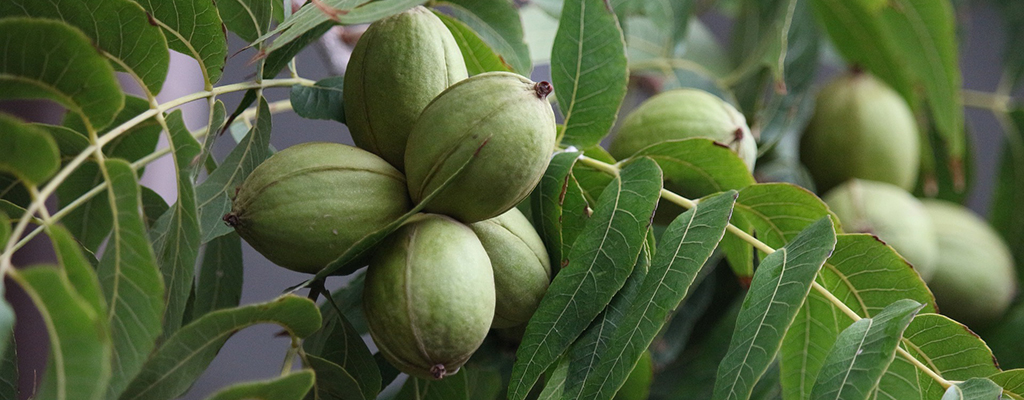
x: 340, y: 345
x: 57, y: 62
x: 588, y: 70
x: 80, y: 348
x: 497, y: 24
x: 78, y: 269
x: 153, y: 206
x: 944, y: 345
x: 26, y: 151
x: 586, y: 352
x: 388, y: 372
x: 1012, y: 382
x: 279, y: 59
x: 120, y: 28
x: 779, y: 287
x: 862, y: 352
x: 92, y: 221
x: 131, y: 281
x: 185, y: 355
x: 220, y: 277
x: 1004, y: 215
x: 215, y: 193
x: 866, y: 275
x: 455, y: 387
x: 193, y: 28
x: 780, y: 211
x: 478, y: 55
x: 346, y: 12
x: 599, y: 263
x: 698, y: 167
x: 175, y: 235
x: 289, y: 387
x: 683, y: 250
x: 5, y: 227
x: 320, y: 101
x: 350, y: 300
x: 654, y: 28
x: 249, y: 19
x: 554, y: 381
x: 1012, y: 13
x: 974, y: 389
x: 559, y: 209
x: 334, y: 382
x: 9, y: 370
x: 218, y: 116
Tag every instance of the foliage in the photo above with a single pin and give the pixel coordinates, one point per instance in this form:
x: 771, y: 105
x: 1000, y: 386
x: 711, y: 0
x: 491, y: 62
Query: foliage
x: 818, y: 313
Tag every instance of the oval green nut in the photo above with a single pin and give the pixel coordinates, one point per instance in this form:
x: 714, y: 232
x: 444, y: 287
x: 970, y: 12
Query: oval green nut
x: 307, y: 204
x: 684, y: 114
x: 974, y: 279
x: 502, y: 124
x: 890, y: 213
x: 522, y: 270
x: 429, y: 296
x: 398, y: 65
x: 863, y: 129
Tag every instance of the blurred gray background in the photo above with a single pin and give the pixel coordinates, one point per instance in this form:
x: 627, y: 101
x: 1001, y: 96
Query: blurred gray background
x: 255, y: 353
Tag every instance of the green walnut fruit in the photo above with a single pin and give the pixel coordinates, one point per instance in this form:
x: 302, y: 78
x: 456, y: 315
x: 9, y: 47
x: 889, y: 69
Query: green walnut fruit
x: 307, y: 204
x: 684, y: 114
x: 397, y: 67
x: 974, y: 277
x: 522, y: 269
x: 500, y: 121
x: 429, y: 296
x: 863, y: 129
x: 889, y: 212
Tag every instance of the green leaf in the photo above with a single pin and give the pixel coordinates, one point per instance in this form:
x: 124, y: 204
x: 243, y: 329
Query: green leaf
x: 215, y: 193
x: 862, y: 352
x: 120, y: 28
x: 350, y: 301
x: 559, y: 207
x: 586, y: 352
x: 289, y: 387
x: 588, y: 70
x: 974, y: 389
x: 185, y: 355
x: 218, y: 117
x: 279, y: 59
x: 1012, y: 382
x: 57, y: 62
x: 320, y: 101
x: 131, y: 282
x: 9, y: 370
x: 478, y: 55
x: 193, y: 28
x: 91, y: 222
x: 866, y: 275
x: 77, y: 268
x: 1004, y: 215
x: 698, y: 167
x: 26, y: 151
x: 220, y: 277
x: 909, y: 44
x: 684, y: 248
x: 654, y: 28
x: 599, y: 263
x: 947, y: 347
x: 175, y: 235
x: 1012, y: 13
x: 153, y: 206
x: 554, y: 381
x: 334, y: 382
x: 5, y: 227
x: 779, y: 287
x: 80, y: 348
x: 455, y: 387
x: 314, y: 16
x: 496, y: 22
x: 343, y: 353
x: 249, y: 19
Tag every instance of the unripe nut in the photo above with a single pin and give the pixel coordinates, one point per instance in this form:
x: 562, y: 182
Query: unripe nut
x: 399, y: 64
x: 429, y: 296
x: 522, y: 269
x: 889, y: 212
x: 306, y: 205
x: 684, y: 114
x: 503, y: 124
x: 974, y: 279
x: 863, y: 129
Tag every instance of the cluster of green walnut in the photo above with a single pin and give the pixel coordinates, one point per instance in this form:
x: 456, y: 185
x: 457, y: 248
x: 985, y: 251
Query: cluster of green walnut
x: 471, y: 261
